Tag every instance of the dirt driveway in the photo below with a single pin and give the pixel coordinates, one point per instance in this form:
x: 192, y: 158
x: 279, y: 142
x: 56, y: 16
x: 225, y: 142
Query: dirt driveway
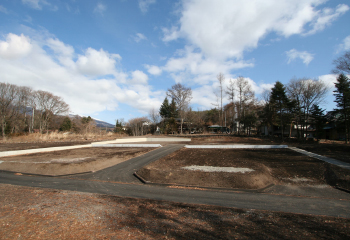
x: 267, y: 166
x: 70, y: 161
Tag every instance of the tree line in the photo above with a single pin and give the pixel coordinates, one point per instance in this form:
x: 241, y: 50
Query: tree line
x: 22, y: 109
x: 293, y: 106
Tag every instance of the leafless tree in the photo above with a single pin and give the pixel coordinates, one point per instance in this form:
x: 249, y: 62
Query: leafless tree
x: 342, y: 64
x: 306, y: 92
x: 230, y: 108
x: 221, y: 80
x: 154, y: 116
x: 49, y: 105
x: 137, y: 125
x: 182, y: 96
x: 245, y: 95
x: 21, y: 103
x: 8, y: 93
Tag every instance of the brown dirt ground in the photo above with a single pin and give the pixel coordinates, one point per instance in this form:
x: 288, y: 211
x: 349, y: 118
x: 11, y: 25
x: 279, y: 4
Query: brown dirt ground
x: 23, y: 146
x: 272, y: 166
x: 36, y: 213
x: 70, y: 161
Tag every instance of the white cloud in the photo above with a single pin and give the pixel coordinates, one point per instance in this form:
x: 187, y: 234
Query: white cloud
x: 192, y: 66
x: 218, y: 33
x: 154, y: 70
x: 50, y: 65
x: 326, y: 17
x: 345, y: 46
x: 15, y: 46
x: 170, y: 34
x: 225, y: 29
x: 3, y: 9
x: 63, y: 52
x: 100, y: 8
x: 97, y: 63
x: 139, y: 77
x: 36, y: 4
x: 294, y: 54
x: 139, y: 37
x: 144, y: 5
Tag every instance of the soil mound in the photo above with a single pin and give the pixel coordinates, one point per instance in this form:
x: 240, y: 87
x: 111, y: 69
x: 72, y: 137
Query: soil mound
x: 172, y: 170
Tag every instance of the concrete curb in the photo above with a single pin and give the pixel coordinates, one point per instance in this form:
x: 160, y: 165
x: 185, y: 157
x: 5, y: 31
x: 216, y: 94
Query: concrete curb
x: 127, y: 145
x: 236, y: 146
x: 40, y: 150
x: 322, y: 158
x: 200, y: 187
x: 134, y: 140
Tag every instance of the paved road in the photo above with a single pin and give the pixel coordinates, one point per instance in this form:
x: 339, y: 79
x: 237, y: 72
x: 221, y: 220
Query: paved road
x: 123, y: 172
x: 101, y: 182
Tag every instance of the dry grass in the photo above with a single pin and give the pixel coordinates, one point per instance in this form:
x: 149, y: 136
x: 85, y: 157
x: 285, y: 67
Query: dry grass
x: 61, y: 137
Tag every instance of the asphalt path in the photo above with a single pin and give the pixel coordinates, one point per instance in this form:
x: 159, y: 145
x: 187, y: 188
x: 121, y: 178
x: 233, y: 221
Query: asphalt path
x: 123, y: 172
x: 117, y: 181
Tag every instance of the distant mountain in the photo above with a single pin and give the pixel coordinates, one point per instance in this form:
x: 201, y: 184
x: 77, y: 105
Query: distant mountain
x: 102, y: 124
x: 99, y: 123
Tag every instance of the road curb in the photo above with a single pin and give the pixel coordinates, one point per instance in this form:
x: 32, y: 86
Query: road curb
x: 127, y: 145
x: 201, y: 187
x: 237, y: 146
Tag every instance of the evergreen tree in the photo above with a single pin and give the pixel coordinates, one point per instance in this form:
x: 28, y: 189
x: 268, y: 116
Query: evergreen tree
x: 318, y: 119
x: 164, y: 110
x: 280, y: 105
x: 118, y: 126
x: 173, y: 110
x: 66, y: 124
x: 342, y: 98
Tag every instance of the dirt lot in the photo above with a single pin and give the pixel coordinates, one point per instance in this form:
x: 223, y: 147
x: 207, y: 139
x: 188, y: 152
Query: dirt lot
x: 22, y: 146
x: 35, y: 213
x: 70, y: 161
x: 271, y: 166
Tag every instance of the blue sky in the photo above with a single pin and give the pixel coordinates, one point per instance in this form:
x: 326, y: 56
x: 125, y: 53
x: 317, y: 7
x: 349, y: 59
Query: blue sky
x: 115, y: 59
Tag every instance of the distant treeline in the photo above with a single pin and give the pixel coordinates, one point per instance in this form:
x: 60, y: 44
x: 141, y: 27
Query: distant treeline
x: 23, y: 110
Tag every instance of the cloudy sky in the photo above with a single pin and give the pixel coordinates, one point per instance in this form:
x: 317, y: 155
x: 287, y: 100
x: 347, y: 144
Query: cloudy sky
x: 114, y: 59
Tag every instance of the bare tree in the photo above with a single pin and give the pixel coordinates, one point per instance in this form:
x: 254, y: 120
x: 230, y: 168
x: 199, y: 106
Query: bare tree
x: 306, y: 92
x: 245, y: 94
x: 49, y: 105
x: 21, y: 104
x: 230, y: 91
x: 136, y: 125
x: 8, y: 93
x: 221, y: 80
x: 342, y: 64
x: 154, y: 116
x: 182, y: 96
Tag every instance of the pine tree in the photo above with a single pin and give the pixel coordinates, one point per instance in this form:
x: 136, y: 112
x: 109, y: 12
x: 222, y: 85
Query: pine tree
x: 173, y: 110
x: 66, y: 124
x: 280, y: 103
x: 342, y: 98
x: 164, y: 110
x: 318, y: 118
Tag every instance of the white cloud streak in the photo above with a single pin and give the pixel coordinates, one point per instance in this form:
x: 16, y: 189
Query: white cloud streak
x: 294, y: 54
x: 139, y: 37
x: 3, y: 9
x: 100, y: 8
x: 144, y: 5
x: 35, y: 4
x: 345, y: 46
